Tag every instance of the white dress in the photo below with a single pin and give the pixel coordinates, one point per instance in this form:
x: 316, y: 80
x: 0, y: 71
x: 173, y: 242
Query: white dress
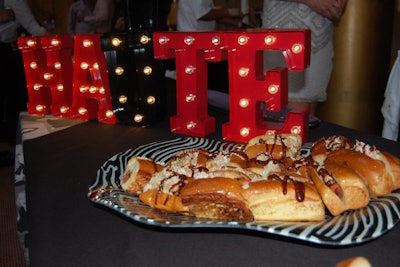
x: 190, y: 12
x: 309, y: 85
x: 391, y: 105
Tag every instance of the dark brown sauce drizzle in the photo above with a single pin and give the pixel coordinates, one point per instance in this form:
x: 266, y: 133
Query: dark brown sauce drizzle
x: 299, y: 187
x: 179, y: 183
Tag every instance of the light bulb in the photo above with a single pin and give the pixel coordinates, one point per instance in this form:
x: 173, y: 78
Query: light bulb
x: 273, y: 89
x: 87, y: 43
x: 242, y: 40
x: 243, y: 72
x: 122, y: 99
x: 244, y: 102
x: 269, y: 40
x: 151, y: 100
x: 138, y: 118
x: 116, y: 41
x: 244, y: 132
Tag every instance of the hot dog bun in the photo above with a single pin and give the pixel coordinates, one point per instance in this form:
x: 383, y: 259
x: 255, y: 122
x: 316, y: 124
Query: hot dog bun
x: 322, y: 147
x: 163, y: 201
x: 354, y: 262
x: 373, y: 171
x: 340, y: 188
x: 284, y: 201
x: 332, y: 201
x: 267, y: 179
x: 393, y: 163
x: 137, y: 174
x: 189, y: 162
x: 217, y: 198
x: 278, y: 146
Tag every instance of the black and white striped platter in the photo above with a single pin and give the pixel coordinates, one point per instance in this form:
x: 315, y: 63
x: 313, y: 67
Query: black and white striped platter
x: 352, y: 227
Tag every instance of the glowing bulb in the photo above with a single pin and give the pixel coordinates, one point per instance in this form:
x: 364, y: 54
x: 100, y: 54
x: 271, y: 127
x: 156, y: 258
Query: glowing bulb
x: 87, y: 43
x: 47, y: 76
x: 83, y: 89
x: 189, y: 40
x: 64, y: 109
x: 273, y: 89
x: 102, y: 90
x: 144, y: 39
x: 244, y: 102
x: 297, y: 48
x: 82, y: 111
x: 138, y: 118
x: 190, y: 125
x: 244, y: 132
x: 190, y: 98
x: 109, y: 113
x: 243, y: 72
x: 96, y: 66
x: 55, y: 42
x: 269, y: 40
x: 122, y: 99
x: 60, y: 87
x: 242, y: 40
x: 163, y: 40
x: 216, y: 40
x: 151, y: 100
x: 270, y: 132
x: 190, y: 69
x: 84, y: 65
x: 147, y: 70
x: 57, y: 65
x: 295, y: 130
x: 31, y: 43
x: 37, y: 86
x: 119, y: 70
x: 116, y: 41
x: 93, y: 89
x: 40, y: 108
x: 33, y: 65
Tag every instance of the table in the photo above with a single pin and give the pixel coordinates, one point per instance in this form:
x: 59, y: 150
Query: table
x: 66, y: 229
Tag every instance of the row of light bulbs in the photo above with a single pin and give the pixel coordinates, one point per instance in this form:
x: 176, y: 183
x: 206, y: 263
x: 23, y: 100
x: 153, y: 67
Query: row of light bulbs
x: 242, y: 72
x: 147, y: 70
x: 188, y: 40
x: 242, y: 40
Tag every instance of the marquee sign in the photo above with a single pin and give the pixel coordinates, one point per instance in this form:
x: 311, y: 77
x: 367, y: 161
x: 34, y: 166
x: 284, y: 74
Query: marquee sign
x: 118, y: 78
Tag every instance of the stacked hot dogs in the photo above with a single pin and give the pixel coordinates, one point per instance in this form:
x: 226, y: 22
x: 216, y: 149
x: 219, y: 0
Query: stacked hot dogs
x: 266, y: 180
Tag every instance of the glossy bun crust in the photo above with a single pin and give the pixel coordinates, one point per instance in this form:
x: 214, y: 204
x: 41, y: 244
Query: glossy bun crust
x: 373, y: 171
x: 267, y: 180
x: 284, y: 201
x: 137, y: 174
x: 218, y: 198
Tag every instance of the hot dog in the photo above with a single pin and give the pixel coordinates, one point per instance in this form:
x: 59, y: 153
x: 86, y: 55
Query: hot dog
x: 340, y: 188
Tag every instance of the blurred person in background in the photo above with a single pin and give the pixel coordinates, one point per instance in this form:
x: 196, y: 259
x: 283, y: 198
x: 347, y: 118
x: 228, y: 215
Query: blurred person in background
x: 308, y: 87
x: 14, y: 16
x: 80, y: 8
x: 203, y: 15
x: 391, y: 105
x: 102, y: 16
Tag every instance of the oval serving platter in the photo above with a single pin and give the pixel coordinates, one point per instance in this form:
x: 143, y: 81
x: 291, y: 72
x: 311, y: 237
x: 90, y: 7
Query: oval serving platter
x: 351, y: 227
